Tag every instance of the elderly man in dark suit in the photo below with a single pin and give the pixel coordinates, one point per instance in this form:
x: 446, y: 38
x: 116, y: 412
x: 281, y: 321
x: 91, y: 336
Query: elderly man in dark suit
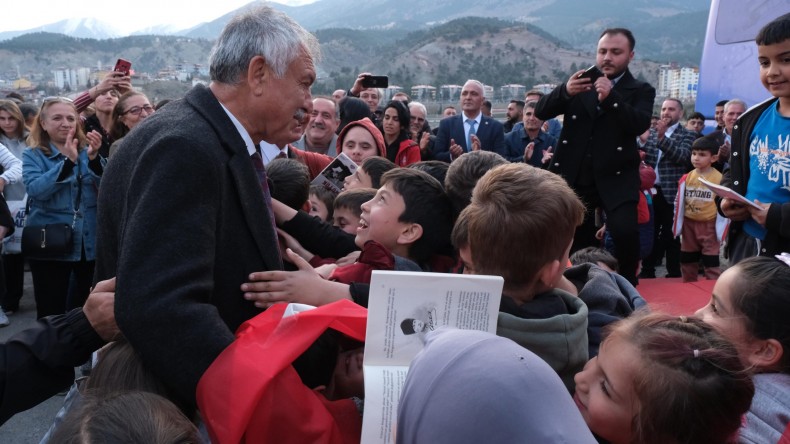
x: 470, y: 130
x: 597, y: 152
x: 184, y: 207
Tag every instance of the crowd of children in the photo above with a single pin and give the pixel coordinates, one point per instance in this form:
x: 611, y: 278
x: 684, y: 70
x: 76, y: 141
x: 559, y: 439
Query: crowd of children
x: 577, y: 355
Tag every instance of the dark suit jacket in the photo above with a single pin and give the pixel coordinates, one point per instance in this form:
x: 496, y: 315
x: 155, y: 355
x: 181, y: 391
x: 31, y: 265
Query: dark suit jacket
x: 610, y: 132
x: 182, y: 222
x: 490, y: 132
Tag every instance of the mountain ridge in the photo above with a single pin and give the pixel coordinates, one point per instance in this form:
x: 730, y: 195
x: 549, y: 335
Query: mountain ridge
x: 577, y: 22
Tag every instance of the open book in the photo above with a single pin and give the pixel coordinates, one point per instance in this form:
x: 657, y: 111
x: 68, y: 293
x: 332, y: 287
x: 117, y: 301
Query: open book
x: 402, y: 308
x: 335, y: 173
x: 728, y: 193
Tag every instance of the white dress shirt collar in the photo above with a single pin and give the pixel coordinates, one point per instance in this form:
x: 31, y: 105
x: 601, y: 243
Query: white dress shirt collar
x: 242, y: 131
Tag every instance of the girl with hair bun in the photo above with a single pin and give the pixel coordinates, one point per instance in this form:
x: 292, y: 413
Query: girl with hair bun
x: 663, y: 379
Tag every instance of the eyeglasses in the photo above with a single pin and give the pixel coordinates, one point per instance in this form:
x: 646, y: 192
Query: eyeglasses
x: 137, y: 110
x: 57, y: 99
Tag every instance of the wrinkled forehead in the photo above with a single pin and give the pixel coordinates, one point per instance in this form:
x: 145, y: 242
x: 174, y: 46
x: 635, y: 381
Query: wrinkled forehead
x: 58, y: 108
x: 321, y: 104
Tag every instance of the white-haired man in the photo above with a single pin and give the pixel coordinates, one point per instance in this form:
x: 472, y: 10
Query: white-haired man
x: 186, y: 211
x: 470, y: 130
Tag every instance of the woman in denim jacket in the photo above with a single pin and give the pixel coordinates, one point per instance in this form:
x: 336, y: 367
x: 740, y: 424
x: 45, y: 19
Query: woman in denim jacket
x: 62, y: 180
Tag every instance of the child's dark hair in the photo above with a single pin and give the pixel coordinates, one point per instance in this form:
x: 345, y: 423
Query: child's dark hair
x: 326, y: 196
x: 426, y: 204
x: 353, y: 199
x: 290, y: 182
x: 594, y: 255
x: 777, y: 31
x: 697, y: 115
x: 128, y: 417
x: 691, y: 386
x: 463, y: 174
x: 375, y: 167
x: 760, y: 294
x: 435, y: 168
x: 706, y: 143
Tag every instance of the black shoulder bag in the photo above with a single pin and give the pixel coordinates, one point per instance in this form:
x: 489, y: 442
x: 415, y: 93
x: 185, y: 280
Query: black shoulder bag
x: 51, y: 240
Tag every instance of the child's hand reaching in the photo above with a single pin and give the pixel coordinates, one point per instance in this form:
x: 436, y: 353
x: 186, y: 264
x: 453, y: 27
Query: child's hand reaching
x: 348, y: 259
x: 325, y: 270
x: 291, y: 242
x: 304, y: 286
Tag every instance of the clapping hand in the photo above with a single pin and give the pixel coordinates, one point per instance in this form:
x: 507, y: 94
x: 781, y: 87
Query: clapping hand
x: 455, y: 149
x: 476, y: 146
x: 94, y: 143
x: 528, y: 151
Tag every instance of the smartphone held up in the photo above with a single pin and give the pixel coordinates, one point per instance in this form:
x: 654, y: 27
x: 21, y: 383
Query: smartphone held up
x: 592, y: 73
x: 123, y: 66
x: 375, y: 81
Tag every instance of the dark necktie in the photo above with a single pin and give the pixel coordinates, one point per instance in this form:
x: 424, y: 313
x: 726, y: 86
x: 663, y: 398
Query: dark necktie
x: 281, y: 155
x: 257, y: 163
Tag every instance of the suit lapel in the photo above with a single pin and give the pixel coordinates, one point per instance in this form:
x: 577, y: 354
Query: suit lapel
x: 485, y: 128
x: 459, y: 129
x: 256, y: 213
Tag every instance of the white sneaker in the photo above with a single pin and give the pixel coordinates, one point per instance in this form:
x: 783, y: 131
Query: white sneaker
x: 3, y: 319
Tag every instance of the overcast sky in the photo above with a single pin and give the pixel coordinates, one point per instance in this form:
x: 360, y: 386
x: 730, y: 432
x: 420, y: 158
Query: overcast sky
x: 125, y: 16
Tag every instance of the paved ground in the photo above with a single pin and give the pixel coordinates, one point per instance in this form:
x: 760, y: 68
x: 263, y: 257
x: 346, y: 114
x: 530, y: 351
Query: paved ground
x: 27, y: 427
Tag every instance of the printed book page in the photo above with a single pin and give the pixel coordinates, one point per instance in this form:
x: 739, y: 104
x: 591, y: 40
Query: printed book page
x: 335, y: 173
x: 402, y: 308
x: 723, y: 192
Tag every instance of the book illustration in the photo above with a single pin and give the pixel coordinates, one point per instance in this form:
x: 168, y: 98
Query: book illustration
x: 402, y: 308
x: 335, y: 173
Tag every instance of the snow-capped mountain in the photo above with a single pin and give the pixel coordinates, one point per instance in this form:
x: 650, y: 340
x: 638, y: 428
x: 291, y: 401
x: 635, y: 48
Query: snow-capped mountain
x: 74, y: 27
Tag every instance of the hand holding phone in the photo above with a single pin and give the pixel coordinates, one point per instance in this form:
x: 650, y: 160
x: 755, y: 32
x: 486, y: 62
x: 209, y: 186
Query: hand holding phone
x: 375, y: 82
x: 592, y: 73
x: 124, y: 66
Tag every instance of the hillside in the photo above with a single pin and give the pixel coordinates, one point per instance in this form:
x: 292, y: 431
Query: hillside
x: 494, y: 51
x: 665, y: 29
x: 39, y: 53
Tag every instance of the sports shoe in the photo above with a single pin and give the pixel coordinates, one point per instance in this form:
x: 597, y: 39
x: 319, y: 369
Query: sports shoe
x: 4, y: 322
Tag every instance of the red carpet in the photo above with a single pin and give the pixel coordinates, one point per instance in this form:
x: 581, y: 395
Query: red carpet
x: 672, y: 296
